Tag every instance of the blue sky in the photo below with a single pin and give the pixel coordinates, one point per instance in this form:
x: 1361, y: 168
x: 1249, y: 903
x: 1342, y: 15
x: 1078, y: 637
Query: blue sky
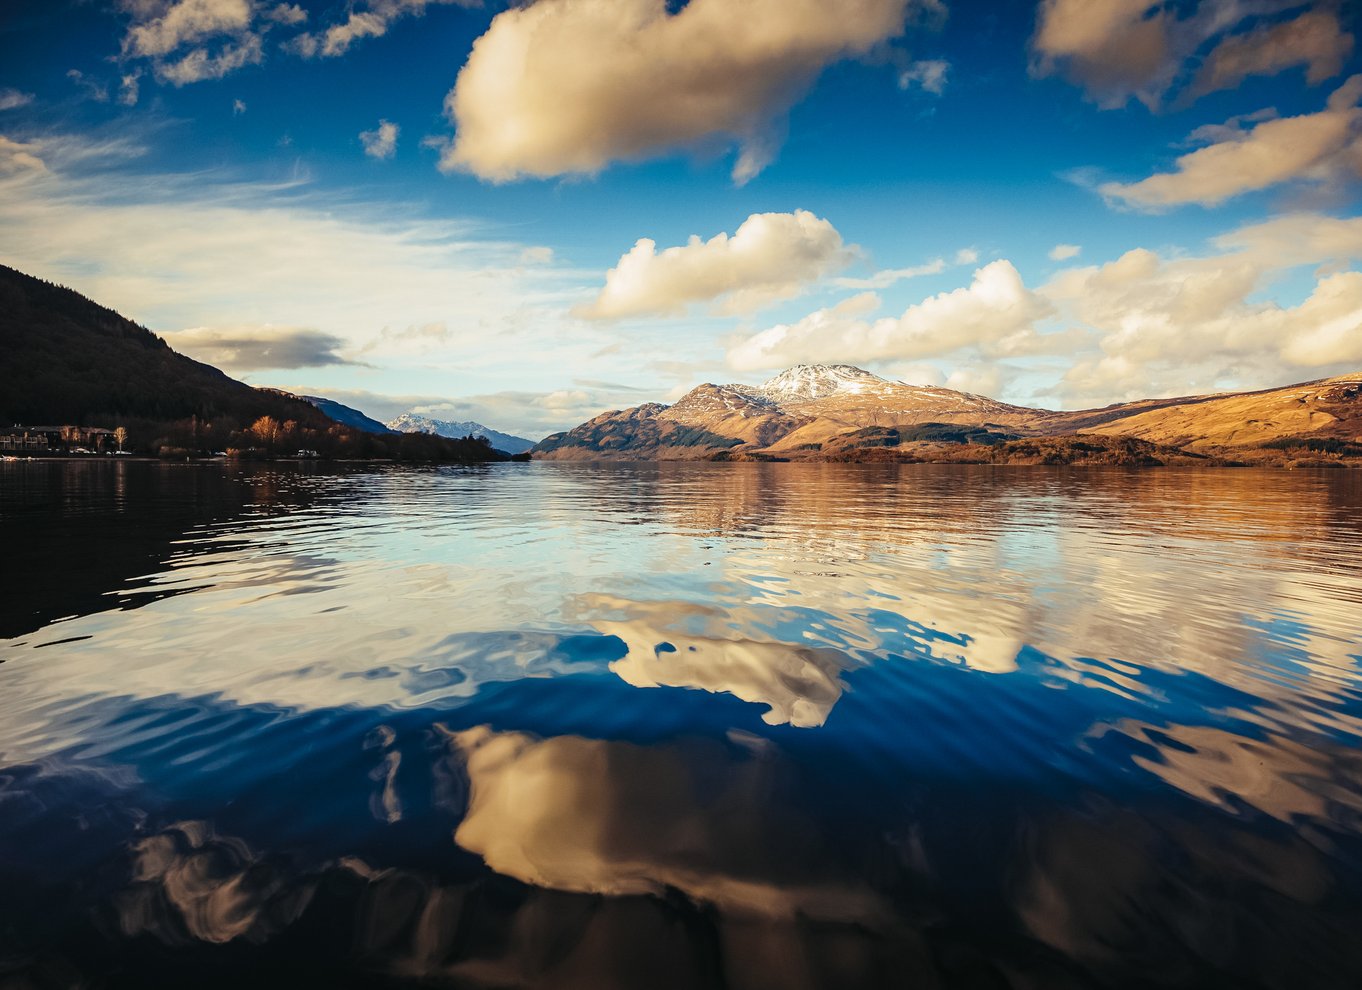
x: 425, y: 204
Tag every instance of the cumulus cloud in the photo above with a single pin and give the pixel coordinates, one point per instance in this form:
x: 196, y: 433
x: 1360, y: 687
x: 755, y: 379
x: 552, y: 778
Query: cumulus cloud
x: 1315, y: 40
x: 259, y: 348
x: 771, y: 256
x: 381, y: 142
x: 1122, y: 49
x: 1143, y: 324
x: 11, y: 99
x: 1320, y: 146
x: 365, y: 20
x: 1063, y: 252
x: 994, y: 315
x: 929, y: 74
x: 564, y: 87
x: 1164, y: 325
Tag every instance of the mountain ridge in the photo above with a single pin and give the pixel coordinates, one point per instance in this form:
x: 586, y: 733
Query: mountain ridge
x: 411, y: 422
x: 835, y: 411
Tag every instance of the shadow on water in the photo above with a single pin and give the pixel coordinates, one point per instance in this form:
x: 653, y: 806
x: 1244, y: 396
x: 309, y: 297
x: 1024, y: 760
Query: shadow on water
x: 83, y: 537
x: 664, y: 726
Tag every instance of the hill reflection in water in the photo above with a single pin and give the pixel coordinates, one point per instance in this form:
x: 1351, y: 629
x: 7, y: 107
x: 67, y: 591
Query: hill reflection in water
x: 681, y: 725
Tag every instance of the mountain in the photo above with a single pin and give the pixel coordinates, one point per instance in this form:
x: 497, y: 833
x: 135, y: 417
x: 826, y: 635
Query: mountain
x: 69, y: 361
x: 346, y: 414
x: 839, y: 412
x: 410, y: 422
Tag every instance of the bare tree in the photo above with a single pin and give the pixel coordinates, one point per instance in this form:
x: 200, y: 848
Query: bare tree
x: 121, y: 436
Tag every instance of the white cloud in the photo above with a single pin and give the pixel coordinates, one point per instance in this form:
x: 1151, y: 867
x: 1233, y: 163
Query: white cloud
x: 771, y: 256
x: 185, y: 22
x: 1315, y: 39
x: 1063, y: 252
x: 365, y: 20
x: 129, y: 88
x: 564, y: 87
x: 890, y: 276
x: 173, y: 251
x: 884, y: 278
x: 1321, y: 147
x: 994, y: 315
x: 1170, y: 325
x: 1119, y: 49
x: 1326, y: 329
x: 1144, y: 324
x: 381, y: 142
x: 930, y: 74
x: 287, y: 13
x: 198, y: 65
x: 238, y: 107
x: 187, y: 41
x: 11, y: 99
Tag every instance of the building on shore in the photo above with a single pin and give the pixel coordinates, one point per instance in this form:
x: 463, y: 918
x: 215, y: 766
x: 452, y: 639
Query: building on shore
x: 56, y: 439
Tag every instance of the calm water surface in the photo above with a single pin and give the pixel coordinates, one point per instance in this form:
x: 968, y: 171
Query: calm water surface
x: 678, y: 725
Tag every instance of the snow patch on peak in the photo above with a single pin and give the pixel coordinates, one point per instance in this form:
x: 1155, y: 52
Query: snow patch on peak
x: 814, y: 381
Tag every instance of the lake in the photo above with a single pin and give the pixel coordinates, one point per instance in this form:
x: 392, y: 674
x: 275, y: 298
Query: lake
x: 679, y: 725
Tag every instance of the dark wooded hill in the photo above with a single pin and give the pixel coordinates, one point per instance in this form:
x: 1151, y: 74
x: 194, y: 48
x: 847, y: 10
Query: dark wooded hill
x: 65, y: 359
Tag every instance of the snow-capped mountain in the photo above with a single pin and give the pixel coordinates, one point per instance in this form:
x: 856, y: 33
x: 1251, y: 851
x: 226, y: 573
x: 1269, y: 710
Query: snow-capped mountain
x: 799, y: 409
x: 816, y: 381
x: 410, y: 422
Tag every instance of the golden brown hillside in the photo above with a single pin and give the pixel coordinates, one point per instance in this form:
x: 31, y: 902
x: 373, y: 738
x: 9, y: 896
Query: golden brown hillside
x: 837, y: 412
x: 1329, y: 408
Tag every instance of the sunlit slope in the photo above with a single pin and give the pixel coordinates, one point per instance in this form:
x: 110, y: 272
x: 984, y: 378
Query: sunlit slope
x: 1329, y: 408
x: 816, y: 410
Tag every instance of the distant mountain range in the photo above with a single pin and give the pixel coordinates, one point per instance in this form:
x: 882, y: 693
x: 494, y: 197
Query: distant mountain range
x: 346, y: 414
x: 839, y: 412
x: 410, y: 422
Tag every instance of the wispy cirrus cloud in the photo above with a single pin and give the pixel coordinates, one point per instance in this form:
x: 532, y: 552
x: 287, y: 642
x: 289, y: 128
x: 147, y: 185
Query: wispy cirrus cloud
x: 11, y: 98
x: 366, y: 19
x: 173, y: 251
